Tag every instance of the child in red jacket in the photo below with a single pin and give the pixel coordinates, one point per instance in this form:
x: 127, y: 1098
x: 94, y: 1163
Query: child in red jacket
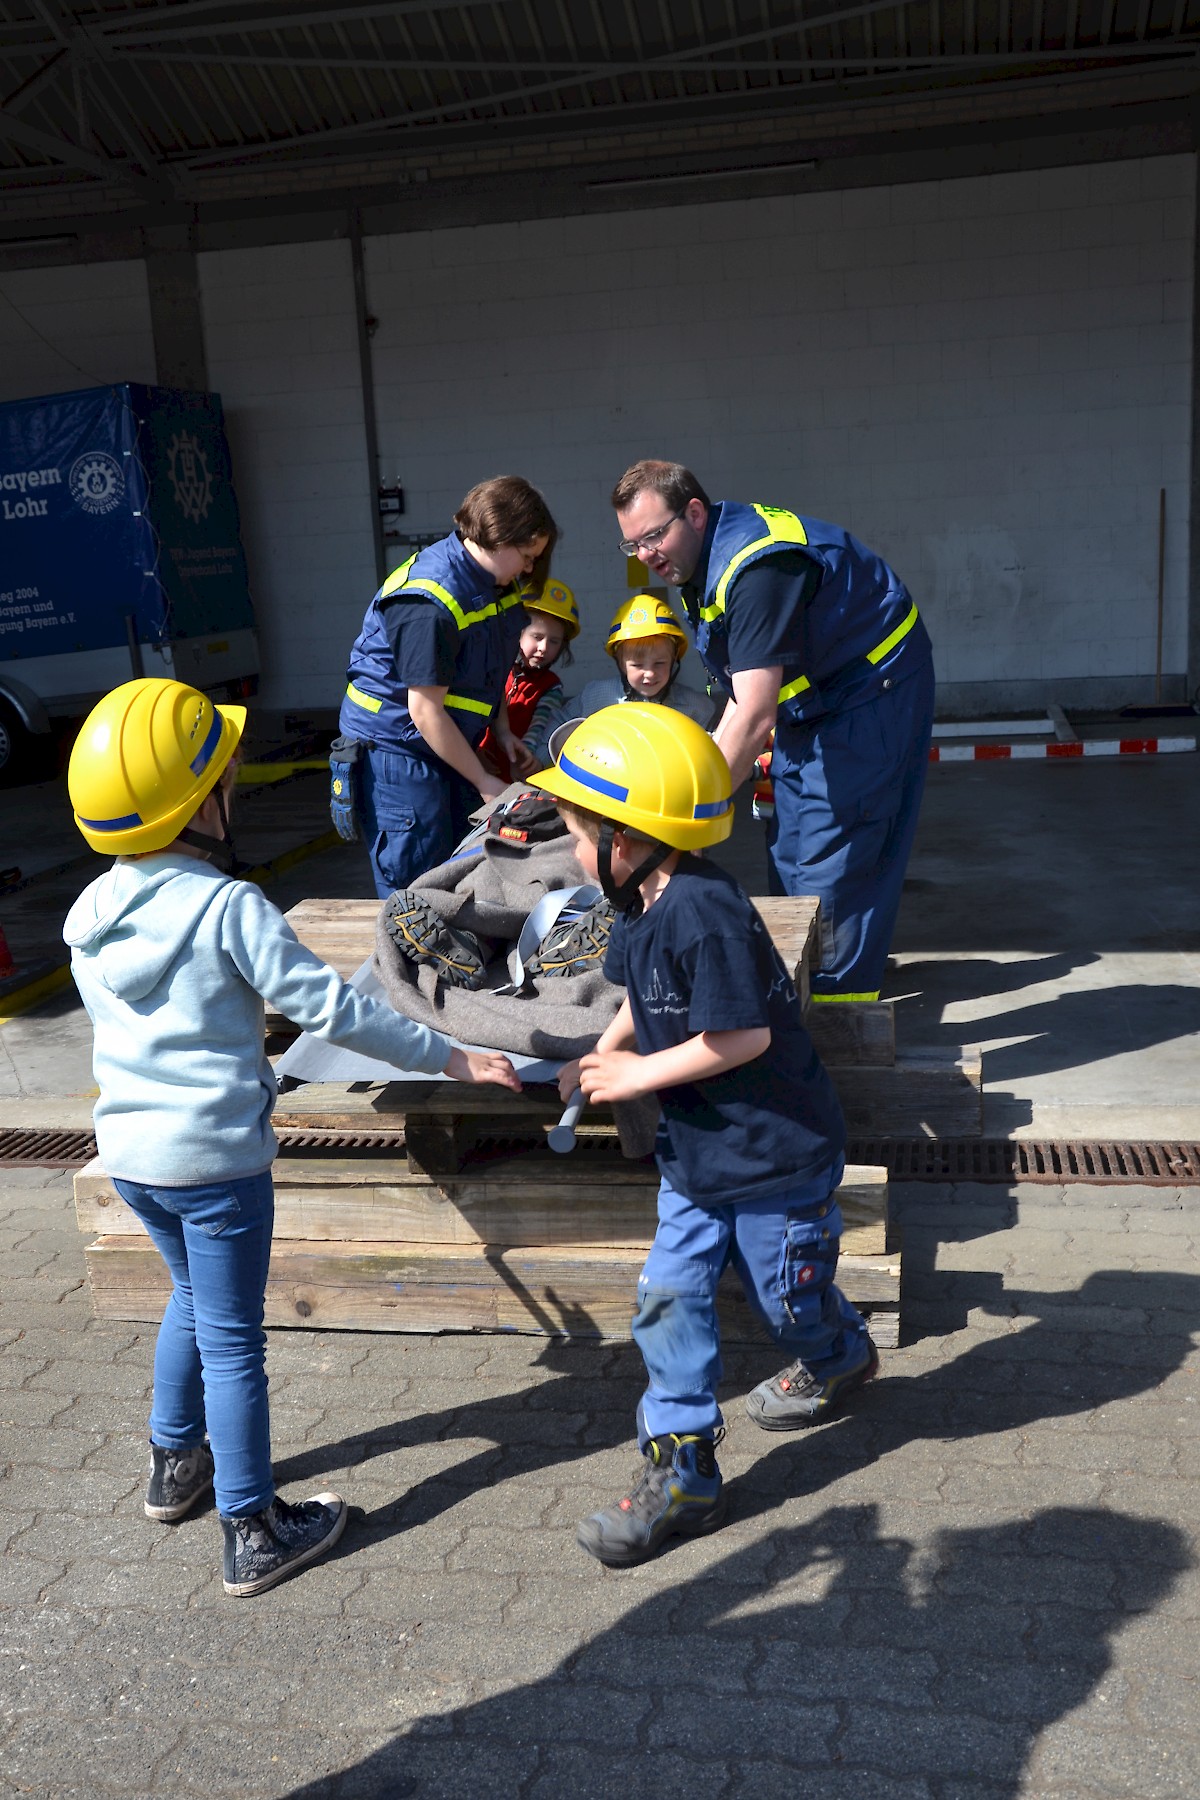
x: 533, y: 689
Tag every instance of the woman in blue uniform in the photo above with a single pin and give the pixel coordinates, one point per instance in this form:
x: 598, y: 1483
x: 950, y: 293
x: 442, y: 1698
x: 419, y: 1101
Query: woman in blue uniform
x: 427, y: 674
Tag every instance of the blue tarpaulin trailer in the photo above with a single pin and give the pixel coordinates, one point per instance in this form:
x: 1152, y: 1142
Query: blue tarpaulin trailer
x: 120, y: 551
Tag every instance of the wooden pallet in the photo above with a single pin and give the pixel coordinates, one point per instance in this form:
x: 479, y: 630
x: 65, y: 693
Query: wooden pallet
x: 884, y: 1093
x: 529, y: 1242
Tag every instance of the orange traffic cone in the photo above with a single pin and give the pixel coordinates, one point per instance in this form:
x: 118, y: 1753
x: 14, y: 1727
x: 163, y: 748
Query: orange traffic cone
x: 6, y: 962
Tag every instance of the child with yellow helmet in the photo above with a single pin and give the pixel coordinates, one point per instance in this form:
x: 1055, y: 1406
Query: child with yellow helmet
x: 533, y: 692
x: 751, y: 1138
x: 173, y: 958
x: 648, y: 644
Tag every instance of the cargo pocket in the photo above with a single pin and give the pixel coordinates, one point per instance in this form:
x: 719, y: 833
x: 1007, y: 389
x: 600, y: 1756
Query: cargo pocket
x: 811, y: 1241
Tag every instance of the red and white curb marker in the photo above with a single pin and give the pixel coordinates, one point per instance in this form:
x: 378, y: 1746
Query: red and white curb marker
x: 946, y: 753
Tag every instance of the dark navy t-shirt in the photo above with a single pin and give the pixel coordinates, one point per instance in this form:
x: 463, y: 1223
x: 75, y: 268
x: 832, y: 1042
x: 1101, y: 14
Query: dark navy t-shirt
x: 701, y: 959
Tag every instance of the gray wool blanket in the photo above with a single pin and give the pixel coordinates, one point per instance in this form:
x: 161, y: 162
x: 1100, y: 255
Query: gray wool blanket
x: 490, y: 891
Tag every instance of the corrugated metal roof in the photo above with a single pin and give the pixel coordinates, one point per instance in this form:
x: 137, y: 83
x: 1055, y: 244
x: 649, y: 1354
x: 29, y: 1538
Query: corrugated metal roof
x: 162, y: 96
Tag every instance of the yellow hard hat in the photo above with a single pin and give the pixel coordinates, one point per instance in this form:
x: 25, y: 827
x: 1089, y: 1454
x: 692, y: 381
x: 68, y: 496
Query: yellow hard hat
x: 147, y: 755
x: 644, y: 616
x: 555, y: 598
x: 649, y: 768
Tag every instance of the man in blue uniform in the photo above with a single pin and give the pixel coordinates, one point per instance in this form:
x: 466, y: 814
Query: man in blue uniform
x: 808, y: 632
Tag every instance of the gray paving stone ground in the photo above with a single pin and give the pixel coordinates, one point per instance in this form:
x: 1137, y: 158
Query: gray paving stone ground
x: 982, y: 1583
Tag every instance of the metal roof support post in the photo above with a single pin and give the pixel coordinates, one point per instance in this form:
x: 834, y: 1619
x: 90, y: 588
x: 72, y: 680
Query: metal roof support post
x: 1193, y: 619
x: 366, y: 370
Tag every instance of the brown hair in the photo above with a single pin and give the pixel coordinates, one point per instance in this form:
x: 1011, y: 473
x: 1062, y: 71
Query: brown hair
x: 590, y: 822
x: 505, y: 511
x: 675, y: 484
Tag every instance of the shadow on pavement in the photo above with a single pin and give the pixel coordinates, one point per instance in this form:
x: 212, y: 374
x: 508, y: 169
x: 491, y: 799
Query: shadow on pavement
x: 848, y: 1653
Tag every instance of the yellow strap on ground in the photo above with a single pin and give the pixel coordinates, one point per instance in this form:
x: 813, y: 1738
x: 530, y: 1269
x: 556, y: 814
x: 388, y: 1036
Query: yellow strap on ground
x: 832, y: 999
x: 367, y: 701
x: 889, y: 643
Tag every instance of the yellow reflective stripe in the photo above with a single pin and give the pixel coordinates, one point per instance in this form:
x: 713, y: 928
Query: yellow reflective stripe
x: 889, y: 643
x: 464, y: 705
x: 516, y: 598
x: 793, y: 688
x: 360, y: 699
x: 827, y: 999
x: 395, y: 580
x: 783, y: 527
x: 462, y: 619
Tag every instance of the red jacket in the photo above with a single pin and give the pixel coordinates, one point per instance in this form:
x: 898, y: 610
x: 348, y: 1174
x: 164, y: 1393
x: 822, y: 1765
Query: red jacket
x: 522, y: 691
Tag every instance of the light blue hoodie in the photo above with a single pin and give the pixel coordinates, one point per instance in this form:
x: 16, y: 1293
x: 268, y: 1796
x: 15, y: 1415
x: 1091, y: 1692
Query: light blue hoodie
x: 173, y: 961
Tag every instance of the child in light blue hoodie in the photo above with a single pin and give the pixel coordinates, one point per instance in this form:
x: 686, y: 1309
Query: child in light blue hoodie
x: 173, y: 959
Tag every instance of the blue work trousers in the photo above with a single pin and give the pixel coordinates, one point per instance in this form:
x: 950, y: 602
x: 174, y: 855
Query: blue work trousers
x: 848, y: 791
x: 785, y: 1249
x: 210, y: 1359
x: 415, y: 809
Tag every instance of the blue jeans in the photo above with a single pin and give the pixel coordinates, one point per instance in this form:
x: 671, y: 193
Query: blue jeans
x: 785, y: 1249
x: 210, y: 1359
x: 847, y: 795
x: 415, y: 809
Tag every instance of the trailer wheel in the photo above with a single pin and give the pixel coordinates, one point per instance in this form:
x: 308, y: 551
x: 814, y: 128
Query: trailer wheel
x: 19, y: 748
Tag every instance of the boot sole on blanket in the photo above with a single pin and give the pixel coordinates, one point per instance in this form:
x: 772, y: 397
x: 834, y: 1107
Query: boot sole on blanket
x: 573, y: 947
x: 423, y: 937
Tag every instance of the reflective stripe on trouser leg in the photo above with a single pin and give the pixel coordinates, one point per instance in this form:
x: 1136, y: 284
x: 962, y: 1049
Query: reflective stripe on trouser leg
x: 847, y: 797
x: 675, y: 1323
x: 785, y: 1250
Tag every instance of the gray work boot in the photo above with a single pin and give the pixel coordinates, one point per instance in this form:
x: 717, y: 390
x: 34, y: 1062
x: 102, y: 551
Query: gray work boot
x: 794, y: 1398
x: 575, y: 946
x: 677, y: 1493
x: 267, y: 1546
x: 178, y: 1479
x: 422, y: 936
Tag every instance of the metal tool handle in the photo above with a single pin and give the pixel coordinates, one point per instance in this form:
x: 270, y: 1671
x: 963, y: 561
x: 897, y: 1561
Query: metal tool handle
x: 561, y: 1137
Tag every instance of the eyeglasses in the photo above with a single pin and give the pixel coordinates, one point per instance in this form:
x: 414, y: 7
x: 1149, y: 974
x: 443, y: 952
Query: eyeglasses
x: 649, y: 540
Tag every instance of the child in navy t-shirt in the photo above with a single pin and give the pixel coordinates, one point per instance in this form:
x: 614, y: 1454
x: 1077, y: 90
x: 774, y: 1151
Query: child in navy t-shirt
x: 751, y: 1138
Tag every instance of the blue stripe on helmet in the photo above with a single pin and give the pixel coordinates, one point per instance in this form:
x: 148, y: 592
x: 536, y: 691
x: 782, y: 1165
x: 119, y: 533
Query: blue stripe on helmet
x: 205, y: 753
x: 124, y: 824
x: 596, y: 782
x: 711, y: 809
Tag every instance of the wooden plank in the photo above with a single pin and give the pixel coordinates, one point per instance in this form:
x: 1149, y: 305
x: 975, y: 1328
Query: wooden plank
x: 853, y: 1031
x: 926, y: 1093
x: 552, y: 1291
x: 342, y: 933
x: 522, y: 1201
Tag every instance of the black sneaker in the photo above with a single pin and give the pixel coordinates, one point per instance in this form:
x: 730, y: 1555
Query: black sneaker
x: 422, y: 936
x: 572, y: 947
x: 178, y: 1479
x: 794, y: 1398
x: 677, y: 1493
x: 267, y: 1546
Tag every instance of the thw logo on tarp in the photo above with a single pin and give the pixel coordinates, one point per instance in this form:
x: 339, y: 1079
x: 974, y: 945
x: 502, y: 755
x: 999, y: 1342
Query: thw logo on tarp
x: 187, y: 466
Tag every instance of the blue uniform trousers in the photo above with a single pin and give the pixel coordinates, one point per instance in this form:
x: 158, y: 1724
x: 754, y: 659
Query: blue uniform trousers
x: 415, y: 810
x: 785, y: 1249
x: 848, y: 791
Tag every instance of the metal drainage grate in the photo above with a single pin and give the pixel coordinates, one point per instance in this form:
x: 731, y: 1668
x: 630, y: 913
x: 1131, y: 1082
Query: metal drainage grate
x: 905, y: 1159
x: 1003, y: 1159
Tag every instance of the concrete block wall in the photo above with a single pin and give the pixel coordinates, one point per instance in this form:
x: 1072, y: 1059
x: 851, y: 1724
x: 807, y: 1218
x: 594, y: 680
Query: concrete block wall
x: 282, y: 352
x: 73, y: 327
x: 986, y: 379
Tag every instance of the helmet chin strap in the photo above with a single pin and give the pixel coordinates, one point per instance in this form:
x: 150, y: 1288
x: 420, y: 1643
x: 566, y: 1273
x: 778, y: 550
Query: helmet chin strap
x: 624, y: 894
x: 218, y: 851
